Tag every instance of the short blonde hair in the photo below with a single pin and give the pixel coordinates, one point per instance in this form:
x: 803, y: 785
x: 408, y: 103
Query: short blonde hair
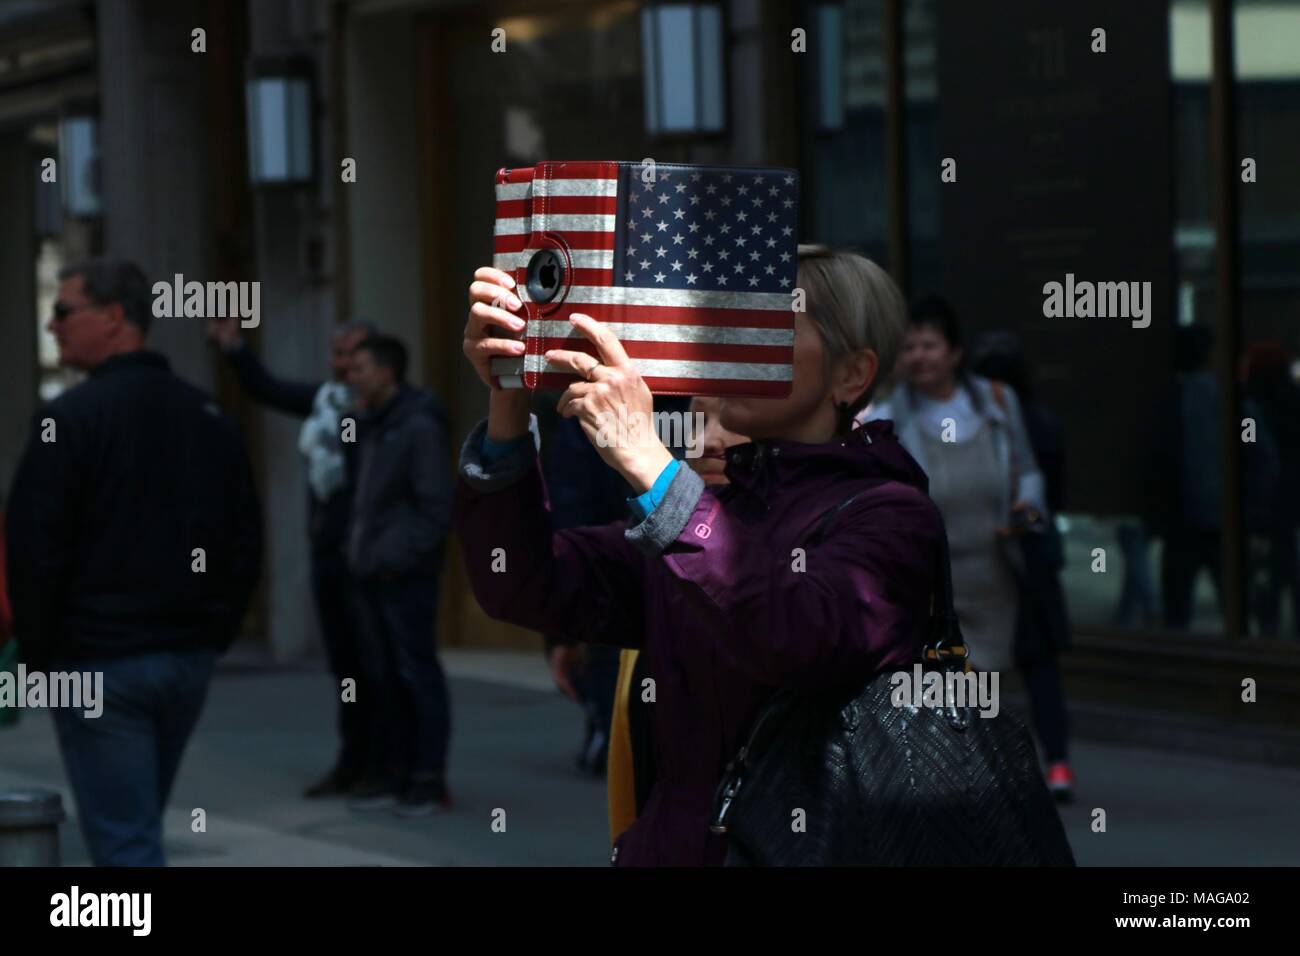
x: 854, y: 304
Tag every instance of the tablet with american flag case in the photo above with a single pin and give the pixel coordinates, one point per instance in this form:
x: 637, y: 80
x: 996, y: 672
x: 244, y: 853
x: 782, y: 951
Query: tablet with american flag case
x: 692, y: 267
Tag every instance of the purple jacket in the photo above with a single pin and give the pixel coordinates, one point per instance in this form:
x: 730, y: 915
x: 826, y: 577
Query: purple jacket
x: 709, y: 587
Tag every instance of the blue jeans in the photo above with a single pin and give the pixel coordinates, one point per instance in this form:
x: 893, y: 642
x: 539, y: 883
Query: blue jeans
x: 412, y: 716
x: 122, y: 764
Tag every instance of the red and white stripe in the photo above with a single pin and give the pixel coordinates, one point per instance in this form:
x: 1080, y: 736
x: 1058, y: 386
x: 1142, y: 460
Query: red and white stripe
x: 684, y: 342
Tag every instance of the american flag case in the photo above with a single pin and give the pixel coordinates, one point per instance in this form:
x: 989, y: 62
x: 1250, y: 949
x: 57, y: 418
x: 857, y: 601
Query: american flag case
x: 692, y: 267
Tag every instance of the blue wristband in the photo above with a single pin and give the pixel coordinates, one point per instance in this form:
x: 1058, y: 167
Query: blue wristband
x: 645, y: 503
x: 493, y: 451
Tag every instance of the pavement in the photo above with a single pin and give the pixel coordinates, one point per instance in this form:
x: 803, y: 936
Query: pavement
x: 267, y: 731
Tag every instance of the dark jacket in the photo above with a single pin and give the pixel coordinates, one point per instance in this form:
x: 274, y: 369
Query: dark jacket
x: 103, y: 521
x: 707, y: 586
x: 327, y: 520
x: 581, y: 488
x: 401, y: 506
x: 1047, y: 437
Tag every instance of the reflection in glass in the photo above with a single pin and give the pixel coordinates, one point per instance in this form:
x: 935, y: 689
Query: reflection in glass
x: 844, y: 195
x: 682, y: 55
x: 1266, y: 35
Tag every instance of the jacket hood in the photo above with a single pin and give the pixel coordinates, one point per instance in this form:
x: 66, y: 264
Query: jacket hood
x: 869, y: 451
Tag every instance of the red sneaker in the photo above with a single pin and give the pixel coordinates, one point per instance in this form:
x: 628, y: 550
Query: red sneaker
x: 1060, y: 781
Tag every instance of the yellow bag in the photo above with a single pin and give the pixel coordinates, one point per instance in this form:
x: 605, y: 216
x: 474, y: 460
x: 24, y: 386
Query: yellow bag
x: 620, y: 779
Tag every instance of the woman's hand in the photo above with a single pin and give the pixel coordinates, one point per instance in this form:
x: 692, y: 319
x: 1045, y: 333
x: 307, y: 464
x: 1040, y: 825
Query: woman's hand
x: 492, y: 330
x: 613, y: 405
x: 565, y: 660
x: 1024, y: 516
x: 492, y: 304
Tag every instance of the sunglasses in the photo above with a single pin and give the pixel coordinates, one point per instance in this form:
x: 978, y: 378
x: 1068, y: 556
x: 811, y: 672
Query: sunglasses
x: 62, y: 311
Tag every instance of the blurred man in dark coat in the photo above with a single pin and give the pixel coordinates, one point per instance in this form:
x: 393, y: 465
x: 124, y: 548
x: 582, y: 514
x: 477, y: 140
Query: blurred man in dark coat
x: 396, y: 538
x: 134, y: 545
x: 322, y: 406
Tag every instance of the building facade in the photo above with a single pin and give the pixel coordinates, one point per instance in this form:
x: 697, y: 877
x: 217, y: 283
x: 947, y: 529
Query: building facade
x: 975, y: 153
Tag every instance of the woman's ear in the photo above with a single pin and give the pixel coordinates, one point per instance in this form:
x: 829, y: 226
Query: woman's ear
x: 858, y: 372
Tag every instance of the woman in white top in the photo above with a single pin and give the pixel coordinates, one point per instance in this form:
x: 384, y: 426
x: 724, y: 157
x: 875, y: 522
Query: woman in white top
x: 968, y: 434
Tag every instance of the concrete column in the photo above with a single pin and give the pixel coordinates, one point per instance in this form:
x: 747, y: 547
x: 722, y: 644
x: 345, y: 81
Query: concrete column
x: 384, y: 204
x: 291, y: 229
x: 154, y: 154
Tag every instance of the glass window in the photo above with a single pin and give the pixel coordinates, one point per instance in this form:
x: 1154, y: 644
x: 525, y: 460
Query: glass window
x: 921, y: 87
x: 843, y: 187
x: 1163, y: 559
x: 681, y: 49
x: 60, y: 239
x: 1266, y: 34
x: 1074, y: 164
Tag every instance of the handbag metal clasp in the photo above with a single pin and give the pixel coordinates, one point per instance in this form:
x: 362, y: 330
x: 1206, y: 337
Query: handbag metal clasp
x: 730, y: 789
x: 949, y: 656
x: 957, y: 719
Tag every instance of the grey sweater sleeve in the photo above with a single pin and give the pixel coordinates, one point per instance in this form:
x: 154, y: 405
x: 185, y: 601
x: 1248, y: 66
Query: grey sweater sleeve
x: 663, y: 525
x: 499, y: 474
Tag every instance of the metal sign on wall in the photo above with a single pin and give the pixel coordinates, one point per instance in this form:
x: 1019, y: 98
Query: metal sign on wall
x: 1056, y: 207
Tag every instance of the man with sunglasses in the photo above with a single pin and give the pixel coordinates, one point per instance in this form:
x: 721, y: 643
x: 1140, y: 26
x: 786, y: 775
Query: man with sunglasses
x: 134, y: 545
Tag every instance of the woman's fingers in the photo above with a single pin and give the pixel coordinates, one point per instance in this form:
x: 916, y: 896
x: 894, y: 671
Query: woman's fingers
x: 480, y: 352
x: 491, y: 347
x: 492, y: 305
x: 492, y: 294
x: 494, y: 276
x: 610, y: 352
x: 580, y: 363
x: 607, y: 344
x: 483, y: 315
x: 572, y: 393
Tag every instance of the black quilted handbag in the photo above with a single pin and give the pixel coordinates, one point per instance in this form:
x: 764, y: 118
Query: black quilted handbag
x: 881, y: 785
